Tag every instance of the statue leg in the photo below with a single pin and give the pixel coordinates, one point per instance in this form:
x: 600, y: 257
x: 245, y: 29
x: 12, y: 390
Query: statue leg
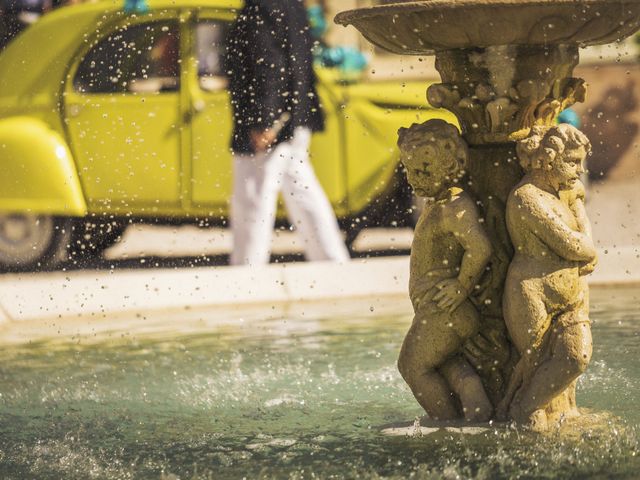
x: 570, y: 352
x: 527, y: 320
x: 425, y: 348
x: 466, y: 383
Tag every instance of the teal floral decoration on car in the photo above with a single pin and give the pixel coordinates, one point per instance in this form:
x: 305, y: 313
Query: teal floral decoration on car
x: 136, y: 6
x: 348, y: 59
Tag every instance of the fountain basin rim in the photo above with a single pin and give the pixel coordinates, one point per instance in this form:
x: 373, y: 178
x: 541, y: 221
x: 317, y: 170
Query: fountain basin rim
x: 427, y: 26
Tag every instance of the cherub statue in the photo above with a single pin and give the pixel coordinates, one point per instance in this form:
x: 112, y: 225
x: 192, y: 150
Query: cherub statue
x: 545, y: 300
x: 449, y: 254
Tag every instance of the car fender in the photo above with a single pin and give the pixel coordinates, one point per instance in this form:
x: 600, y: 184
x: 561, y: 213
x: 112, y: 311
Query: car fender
x: 37, y: 171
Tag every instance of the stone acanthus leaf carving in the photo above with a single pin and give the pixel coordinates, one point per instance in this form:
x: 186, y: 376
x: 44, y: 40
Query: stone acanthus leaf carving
x: 499, y: 93
x: 509, y: 117
x: 561, y: 98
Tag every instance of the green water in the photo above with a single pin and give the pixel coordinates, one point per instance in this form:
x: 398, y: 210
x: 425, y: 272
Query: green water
x: 286, y: 399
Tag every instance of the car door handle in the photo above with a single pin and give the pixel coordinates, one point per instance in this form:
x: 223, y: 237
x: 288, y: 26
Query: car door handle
x: 74, y: 110
x: 199, y: 105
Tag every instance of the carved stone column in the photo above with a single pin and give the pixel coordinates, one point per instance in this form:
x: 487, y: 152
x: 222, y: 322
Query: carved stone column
x: 498, y: 94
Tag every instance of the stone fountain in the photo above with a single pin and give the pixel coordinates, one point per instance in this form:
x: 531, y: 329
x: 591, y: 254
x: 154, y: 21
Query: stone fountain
x: 507, y: 72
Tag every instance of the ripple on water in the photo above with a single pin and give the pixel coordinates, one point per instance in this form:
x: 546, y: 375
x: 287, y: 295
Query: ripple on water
x: 300, y: 401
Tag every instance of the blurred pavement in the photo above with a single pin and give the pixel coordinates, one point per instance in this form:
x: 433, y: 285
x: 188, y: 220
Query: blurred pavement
x: 142, y: 241
x: 176, y: 277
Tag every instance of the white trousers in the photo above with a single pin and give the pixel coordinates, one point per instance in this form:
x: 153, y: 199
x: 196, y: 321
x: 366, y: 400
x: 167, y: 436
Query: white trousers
x: 257, y: 181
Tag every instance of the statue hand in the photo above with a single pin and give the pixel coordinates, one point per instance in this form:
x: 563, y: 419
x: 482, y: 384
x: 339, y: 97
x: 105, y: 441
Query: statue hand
x: 450, y: 294
x: 588, y: 267
x: 576, y: 200
x: 579, y: 190
x: 574, y: 195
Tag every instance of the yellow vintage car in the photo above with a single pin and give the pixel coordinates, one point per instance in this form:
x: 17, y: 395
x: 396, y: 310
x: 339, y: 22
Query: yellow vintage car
x: 108, y: 118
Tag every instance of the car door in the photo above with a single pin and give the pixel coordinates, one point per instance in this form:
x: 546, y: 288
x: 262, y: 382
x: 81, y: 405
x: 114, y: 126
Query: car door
x: 211, y: 117
x: 122, y: 111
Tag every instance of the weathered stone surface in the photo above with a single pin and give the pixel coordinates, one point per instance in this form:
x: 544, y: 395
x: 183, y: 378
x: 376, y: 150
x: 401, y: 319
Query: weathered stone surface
x: 546, y: 297
x: 479, y: 347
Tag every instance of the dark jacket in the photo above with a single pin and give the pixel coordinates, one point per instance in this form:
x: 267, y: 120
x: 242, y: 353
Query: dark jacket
x: 270, y: 70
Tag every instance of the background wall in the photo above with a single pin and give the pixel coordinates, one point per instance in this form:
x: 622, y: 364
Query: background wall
x: 610, y: 117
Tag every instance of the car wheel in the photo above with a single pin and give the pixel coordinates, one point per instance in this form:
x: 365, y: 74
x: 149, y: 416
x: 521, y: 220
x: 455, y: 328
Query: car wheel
x: 92, y: 236
x: 31, y: 242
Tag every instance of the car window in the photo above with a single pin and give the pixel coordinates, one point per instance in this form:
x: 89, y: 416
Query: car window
x: 210, y: 45
x: 136, y: 58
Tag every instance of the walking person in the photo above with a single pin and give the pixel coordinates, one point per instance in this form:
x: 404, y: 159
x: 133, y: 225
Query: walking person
x: 276, y: 110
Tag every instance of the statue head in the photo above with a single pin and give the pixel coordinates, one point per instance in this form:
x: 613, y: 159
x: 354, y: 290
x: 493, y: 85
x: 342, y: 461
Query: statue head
x: 434, y: 156
x: 559, y: 151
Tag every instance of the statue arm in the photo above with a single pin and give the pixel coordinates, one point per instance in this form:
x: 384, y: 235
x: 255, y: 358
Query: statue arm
x: 580, y: 213
x: 465, y: 224
x: 547, y: 225
x: 579, y: 210
x: 462, y: 220
x: 576, y: 204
